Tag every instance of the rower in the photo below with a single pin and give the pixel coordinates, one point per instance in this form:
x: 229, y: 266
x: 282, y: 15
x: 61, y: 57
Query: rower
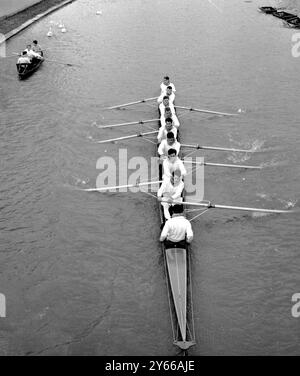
x: 169, y: 93
x: 166, y: 82
x: 168, y: 114
x: 36, y: 47
x: 169, y: 143
x: 163, y: 131
x: 172, y: 163
x: 166, y: 103
x: 24, y: 59
x: 31, y: 54
x: 177, y: 231
x: 170, y: 190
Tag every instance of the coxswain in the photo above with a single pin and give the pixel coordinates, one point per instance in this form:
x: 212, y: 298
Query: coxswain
x: 166, y: 82
x: 163, y: 131
x: 169, y: 93
x: 172, y: 163
x: 24, y: 59
x: 168, y: 143
x: 166, y: 103
x: 36, y: 47
x: 170, y: 190
x: 177, y: 231
x: 168, y: 114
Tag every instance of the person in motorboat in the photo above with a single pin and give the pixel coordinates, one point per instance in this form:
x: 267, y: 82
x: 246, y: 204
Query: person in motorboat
x: 24, y: 59
x: 37, y: 48
x: 32, y: 54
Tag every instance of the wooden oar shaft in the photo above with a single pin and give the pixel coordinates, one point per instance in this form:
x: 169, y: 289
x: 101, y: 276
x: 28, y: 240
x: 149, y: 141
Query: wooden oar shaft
x: 127, y: 137
x: 215, y: 148
x: 122, y: 186
x: 205, y: 111
x: 125, y: 124
x: 131, y: 103
x: 224, y: 165
x: 242, y: 208
x: 59, y: 62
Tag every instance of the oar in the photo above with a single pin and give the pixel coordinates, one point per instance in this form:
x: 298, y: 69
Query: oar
x: 59, y: 62
x: 205, y: 111
x: 216, y: 148
x: 131, y: 103
x: 127, y: 137
x: 55, y: 61
x: 122, y: 186
x: 214, y: 206
x: 224, y: 165
x: 124, y: 124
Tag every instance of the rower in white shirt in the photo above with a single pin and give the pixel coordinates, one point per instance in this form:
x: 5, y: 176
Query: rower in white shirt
x: 36, y: 47
x: 163, y: 131
x: 166, y: 103
x: 170, y: 190
x: 177, y: 230
x: 171, y: 164
x: 31, y: 54
x: 166, y: 82
x: 24, y: 59
x: 169, y: 143
x: 168, y: 114
x: 169, y: 93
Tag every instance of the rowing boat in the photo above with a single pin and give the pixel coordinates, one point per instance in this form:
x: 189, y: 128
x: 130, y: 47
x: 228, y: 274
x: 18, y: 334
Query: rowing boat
x: 284, y: 15
x: 267, y: 10
x: 177, y: 261
x: 179, y: 285
x: 25, y: 70
x: 294, y: 23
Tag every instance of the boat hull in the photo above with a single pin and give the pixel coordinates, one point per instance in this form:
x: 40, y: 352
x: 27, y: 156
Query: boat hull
x: 25, y: 70
x: 178, y: 276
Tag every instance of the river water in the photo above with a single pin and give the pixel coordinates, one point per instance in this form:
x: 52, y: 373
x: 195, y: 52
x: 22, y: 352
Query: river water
x: 83, y: 272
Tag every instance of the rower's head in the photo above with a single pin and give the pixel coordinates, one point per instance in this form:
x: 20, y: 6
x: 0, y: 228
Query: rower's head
x: 172, y: 153
x: 35, y: 42
x: 176, y: 177
x: 169, y: 90
x: 166, y: 101
x: 169, y: 124
x: 166, y: 80
x: 170, y: 138
x: 177, y: 209
x: 168, y: 112
x: 24, y: 53
x: 28, y: 47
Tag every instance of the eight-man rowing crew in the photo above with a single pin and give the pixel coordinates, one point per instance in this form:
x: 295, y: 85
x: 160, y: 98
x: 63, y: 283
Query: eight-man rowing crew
x: 31, y: 53
x: 177, y: 229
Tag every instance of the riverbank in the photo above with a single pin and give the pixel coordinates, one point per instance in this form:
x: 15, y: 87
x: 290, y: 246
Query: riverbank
x: 7, y: 24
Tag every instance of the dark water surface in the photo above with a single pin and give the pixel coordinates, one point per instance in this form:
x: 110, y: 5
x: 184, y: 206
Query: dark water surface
x: 83, y: 273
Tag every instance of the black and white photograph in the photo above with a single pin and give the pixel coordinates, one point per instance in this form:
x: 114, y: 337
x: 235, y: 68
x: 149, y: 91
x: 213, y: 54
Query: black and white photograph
x: 150, y: 174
